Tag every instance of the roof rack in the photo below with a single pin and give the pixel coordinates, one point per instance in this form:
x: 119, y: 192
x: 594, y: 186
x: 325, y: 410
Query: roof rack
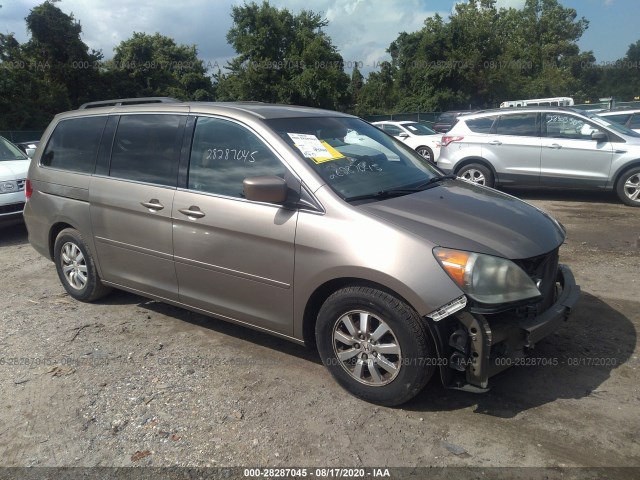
x: 127, y: 101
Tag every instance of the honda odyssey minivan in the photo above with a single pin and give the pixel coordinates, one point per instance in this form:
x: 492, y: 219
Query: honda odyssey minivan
x: 266, y: 216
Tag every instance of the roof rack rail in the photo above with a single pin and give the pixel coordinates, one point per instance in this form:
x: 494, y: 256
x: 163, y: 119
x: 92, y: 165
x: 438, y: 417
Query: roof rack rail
x: 127, y: 101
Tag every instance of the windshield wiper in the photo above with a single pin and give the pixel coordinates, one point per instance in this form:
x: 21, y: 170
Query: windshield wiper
x: 394, y: 192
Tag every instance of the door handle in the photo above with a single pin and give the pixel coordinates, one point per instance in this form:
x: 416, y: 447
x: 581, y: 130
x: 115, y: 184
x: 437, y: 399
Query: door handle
x: 495, y: 142
x: 555, y: 146
x: 192, y: 212
x: 153, y: 204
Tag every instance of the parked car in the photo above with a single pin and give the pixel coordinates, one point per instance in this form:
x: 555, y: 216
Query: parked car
x: 13, y: 172
x: 421, y: 138
x: 28, y: 147
x: 267, y: 216
x: 447, y: 120
x: 545, y: 146
x: 628, y: 118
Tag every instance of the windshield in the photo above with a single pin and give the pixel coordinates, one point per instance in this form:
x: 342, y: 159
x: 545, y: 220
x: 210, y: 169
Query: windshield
x: 353, y: 157
x: 616, y: 127
x: 8, y: 151
x: 418, y: 129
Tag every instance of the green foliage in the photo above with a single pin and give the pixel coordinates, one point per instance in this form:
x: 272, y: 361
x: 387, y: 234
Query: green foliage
x: 478, y: 57
x: 46, y: 75
x: 154, y: 65
x: 283, y: 58
x: 482, y: 56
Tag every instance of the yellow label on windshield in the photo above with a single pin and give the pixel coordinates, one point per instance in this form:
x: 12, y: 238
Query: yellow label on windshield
x: 333, y: 154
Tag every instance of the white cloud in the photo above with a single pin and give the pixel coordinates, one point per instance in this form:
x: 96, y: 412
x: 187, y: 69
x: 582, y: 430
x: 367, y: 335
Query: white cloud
x: 362, y: 30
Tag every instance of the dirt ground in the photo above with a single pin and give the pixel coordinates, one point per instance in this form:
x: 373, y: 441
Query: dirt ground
x: 128, y: 381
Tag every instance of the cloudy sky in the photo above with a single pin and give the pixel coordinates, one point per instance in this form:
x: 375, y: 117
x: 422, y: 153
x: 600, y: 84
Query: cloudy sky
x: 361, y: 29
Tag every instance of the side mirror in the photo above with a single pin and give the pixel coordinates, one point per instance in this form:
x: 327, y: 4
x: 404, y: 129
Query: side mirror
x: 403, y: 135
x: 265, y: 188
x: 599, y: 136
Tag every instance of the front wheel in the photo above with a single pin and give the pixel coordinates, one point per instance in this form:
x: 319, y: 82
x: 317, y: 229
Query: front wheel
x: 628, y: 187
x: 375, y: 345
x: 76, y: 268
x: 477, y: 173
x: 426, y: 153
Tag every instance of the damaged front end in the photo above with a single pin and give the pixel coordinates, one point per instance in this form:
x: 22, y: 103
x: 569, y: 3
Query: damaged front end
x: 475, y: 339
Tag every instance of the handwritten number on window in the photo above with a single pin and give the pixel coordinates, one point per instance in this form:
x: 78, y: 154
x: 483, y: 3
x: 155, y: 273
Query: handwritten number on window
x: 240, y: 155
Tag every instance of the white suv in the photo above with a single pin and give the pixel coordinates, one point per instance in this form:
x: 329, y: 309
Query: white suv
x: 545, y: 146
x: 13, y: 173
x: 422, y: 139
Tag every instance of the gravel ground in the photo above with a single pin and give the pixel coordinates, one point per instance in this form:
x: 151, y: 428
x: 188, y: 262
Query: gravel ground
x: 132, y: 382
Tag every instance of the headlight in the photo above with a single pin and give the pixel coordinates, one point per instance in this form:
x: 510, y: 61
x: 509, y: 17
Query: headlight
x: 8, y: 186
x: 486, y: 279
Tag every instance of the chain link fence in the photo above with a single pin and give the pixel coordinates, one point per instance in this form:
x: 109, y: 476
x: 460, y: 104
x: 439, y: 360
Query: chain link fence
x: 17, y: 136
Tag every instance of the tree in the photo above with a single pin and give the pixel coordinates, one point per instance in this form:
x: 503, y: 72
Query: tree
x: 58, y: 52
x: 355, y: 86
x: 620, y: 79
x: 483, y: 55
x: 283, y: 58
x: 154, y: 65
x: 50, y: 73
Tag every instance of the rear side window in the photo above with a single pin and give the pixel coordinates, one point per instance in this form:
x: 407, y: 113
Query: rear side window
x: 481, y: 125
x: 224, y: 153
x: 635, y: 121
x: 146, y: 148
x: 521, y: 124
x: 74, y: 144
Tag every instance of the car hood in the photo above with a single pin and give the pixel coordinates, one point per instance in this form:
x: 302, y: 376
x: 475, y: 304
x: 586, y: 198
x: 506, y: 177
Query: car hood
x: 457, y: 214
x: 13, y: 169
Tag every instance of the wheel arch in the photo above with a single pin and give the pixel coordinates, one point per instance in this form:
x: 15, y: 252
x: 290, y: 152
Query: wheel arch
x: 624, y: 169
x: 54, y: 231
x: 469, y: 160
x: 324, y: 291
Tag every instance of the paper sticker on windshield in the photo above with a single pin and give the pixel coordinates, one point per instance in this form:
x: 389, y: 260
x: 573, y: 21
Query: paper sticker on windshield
x: 313, y: 148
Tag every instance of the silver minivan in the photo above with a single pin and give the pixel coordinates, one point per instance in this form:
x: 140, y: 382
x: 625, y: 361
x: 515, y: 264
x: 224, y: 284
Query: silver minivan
x: 283, y: 219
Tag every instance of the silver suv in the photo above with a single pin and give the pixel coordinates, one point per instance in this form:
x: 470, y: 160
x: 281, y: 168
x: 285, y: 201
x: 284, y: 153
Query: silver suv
x: 283, y: 219
x: 545, y: 146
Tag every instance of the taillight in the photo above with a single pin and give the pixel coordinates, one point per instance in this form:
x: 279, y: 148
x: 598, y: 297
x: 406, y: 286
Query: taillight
x: 28, y: 189
x: 447, y: 139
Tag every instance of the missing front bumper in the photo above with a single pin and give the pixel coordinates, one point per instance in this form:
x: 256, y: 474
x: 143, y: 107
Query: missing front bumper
x: 480, y: 346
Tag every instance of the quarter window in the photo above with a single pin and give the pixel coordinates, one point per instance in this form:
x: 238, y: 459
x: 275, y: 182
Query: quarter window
x: 635, y: 121
x: 146, y: 148
x: 224, y: 153
x: 522, y: 124
x: 74, y: 144
x: 480, y: 125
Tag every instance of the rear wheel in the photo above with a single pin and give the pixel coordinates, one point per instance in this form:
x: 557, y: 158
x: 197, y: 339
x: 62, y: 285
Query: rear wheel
x: 425, y: 152
x: 628, y: 187
x: 477, y: 173
x: 76, y: 268
x: 374, y: 345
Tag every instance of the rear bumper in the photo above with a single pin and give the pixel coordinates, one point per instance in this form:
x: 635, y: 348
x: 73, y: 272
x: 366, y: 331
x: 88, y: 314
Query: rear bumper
x: 479, y: 346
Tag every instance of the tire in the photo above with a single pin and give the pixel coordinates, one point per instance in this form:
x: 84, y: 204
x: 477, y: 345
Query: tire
x: 426, y: 153
x: 76, y: 268
x: 628, y: 187
x: 477, y: 173
x: 392, y: 362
